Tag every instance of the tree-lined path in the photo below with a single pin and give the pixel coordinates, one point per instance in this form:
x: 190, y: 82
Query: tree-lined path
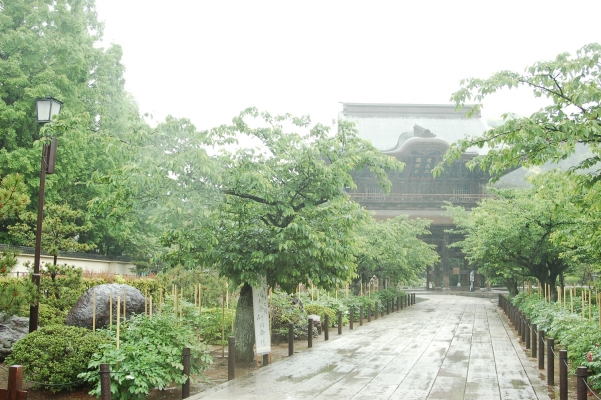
x: 444, y: 347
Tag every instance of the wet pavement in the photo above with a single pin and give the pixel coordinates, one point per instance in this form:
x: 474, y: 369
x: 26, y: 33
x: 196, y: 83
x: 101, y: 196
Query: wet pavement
x: 444, y: 347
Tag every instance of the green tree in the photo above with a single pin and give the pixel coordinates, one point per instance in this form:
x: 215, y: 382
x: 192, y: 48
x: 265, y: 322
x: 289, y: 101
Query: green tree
x: 509, y: 237
x: 392, y: 249
x: 573, y: 116
x: 267, y: 201
x: 54, y: 48
x: 61, y: 228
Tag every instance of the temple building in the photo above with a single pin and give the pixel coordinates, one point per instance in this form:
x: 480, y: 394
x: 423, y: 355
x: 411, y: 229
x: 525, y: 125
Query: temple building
x: 419, y: 135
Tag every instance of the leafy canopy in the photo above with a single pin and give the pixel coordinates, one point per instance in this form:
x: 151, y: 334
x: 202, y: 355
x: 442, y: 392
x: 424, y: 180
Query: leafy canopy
x: 509, y: 236
x: 267, y: 200
x: 572, y: 86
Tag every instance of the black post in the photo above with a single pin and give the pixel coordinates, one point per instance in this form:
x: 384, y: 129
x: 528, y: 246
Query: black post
x: 527, y: 333
x: 326, y: 327
x: 35, y: 277
x: 231, y: 358
x: 550, y: 362
x: 376, y: 313
x: 290, y: 339
x: 387, y: 306
x: 519, y: 316
x: 398, y: 303
x: 541, y: 349
x: 360, y: 315
x: 534, y: 340
x: 265, y: 360
x: 368, y: 312
x: 352, y: 317
x: 340, y: 322
x: 581, y: 392
x: 105, y: 382
x: 310, y: 333
x: 563, y: 375
x: 186, y: 372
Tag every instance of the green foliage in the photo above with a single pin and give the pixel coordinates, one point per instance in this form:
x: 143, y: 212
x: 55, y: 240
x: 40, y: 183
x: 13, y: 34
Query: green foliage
x: 284, y: 310
x: 318, y: 309
x: 61, y: 229
x: 49, y: 315
x: 56, y: 354
x: 61, y: 286
x: 392, y: 249
x: 15, y: 293
x: 213, y: 286
x: 570, y: 83
x: 149, y: 356
x: 509, y: 236
x: 210, y: 324
x: 575, y: 334
x: 13, y: 196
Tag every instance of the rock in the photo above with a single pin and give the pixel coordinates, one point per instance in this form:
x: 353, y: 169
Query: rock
x: 81, y: 313
x: 11, y: 330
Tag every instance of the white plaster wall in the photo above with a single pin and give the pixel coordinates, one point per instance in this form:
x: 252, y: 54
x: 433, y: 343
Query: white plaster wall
x: 87, y: 265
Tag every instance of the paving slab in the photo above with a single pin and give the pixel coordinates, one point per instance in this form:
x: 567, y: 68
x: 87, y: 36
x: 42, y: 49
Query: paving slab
x: 445, y: 347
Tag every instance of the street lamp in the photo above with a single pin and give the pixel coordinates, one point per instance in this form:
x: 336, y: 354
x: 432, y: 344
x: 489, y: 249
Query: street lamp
x: 46, y: 109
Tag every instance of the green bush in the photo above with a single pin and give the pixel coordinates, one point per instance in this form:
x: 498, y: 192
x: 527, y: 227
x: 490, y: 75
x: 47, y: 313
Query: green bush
x: 49, y: 315
x: 320, y: 310
x: 56, y: 354
x: 579, y: 336
x: 150, y: 356
x: 284, y: 309
x: 211, y: 322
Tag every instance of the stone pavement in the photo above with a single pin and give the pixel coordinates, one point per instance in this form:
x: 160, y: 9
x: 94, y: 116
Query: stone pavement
x: 444, y: 347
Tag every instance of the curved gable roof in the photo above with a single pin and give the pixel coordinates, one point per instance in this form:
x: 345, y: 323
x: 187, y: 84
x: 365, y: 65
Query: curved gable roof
x: 388, y: 126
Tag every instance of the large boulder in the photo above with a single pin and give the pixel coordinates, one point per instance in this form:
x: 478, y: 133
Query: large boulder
x: 11, y: 330
x: 81, y: 313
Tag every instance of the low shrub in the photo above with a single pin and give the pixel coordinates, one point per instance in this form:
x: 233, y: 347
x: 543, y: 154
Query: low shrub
x: 321, y: 310
x: 56, y: 354
x: 149, y: 356
x: 579, y: 336
x: 284, y: 309
x: 212, y: 322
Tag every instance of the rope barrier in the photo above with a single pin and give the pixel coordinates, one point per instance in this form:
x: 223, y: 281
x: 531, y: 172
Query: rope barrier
x: 554, y: 354
x: 591, y: 391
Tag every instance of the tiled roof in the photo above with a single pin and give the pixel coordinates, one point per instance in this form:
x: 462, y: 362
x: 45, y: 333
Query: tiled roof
x: 383, y: 124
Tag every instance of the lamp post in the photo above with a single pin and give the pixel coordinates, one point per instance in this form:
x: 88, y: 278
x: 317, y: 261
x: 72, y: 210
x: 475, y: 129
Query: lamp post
x: 46, y: 109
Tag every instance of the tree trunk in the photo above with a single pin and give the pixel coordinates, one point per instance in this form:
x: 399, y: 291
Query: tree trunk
x: 512, y: 286
x: 244, y: 329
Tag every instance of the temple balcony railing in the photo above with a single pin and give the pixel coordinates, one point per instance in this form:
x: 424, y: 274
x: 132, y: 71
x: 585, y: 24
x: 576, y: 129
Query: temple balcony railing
x: 417, y: 200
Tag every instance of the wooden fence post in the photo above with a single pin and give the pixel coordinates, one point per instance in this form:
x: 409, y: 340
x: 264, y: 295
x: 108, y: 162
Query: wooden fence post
x: 231, y: 358
x: 360, y: 315
x: 186, y: 371
x: 326, y: 327
x: 340, y: 322
x: 563, y: 375
x: 15, y: 384
x: 527, y: 331
x: 581, y: 390
x: 310, y: 333
x: 105, y: 381
x: 550, y: 362
x: 290, y: 339
x: 534, y: 340
x: 541, y: 349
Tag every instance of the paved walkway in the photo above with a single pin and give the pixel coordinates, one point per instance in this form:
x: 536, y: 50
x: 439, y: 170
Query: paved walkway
x: 444, y: 347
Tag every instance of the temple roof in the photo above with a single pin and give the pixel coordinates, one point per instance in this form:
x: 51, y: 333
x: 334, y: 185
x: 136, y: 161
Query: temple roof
x: 390, y: 126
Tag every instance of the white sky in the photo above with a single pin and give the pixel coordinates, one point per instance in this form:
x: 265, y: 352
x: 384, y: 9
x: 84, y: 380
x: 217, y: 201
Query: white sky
x: 208, y: 60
